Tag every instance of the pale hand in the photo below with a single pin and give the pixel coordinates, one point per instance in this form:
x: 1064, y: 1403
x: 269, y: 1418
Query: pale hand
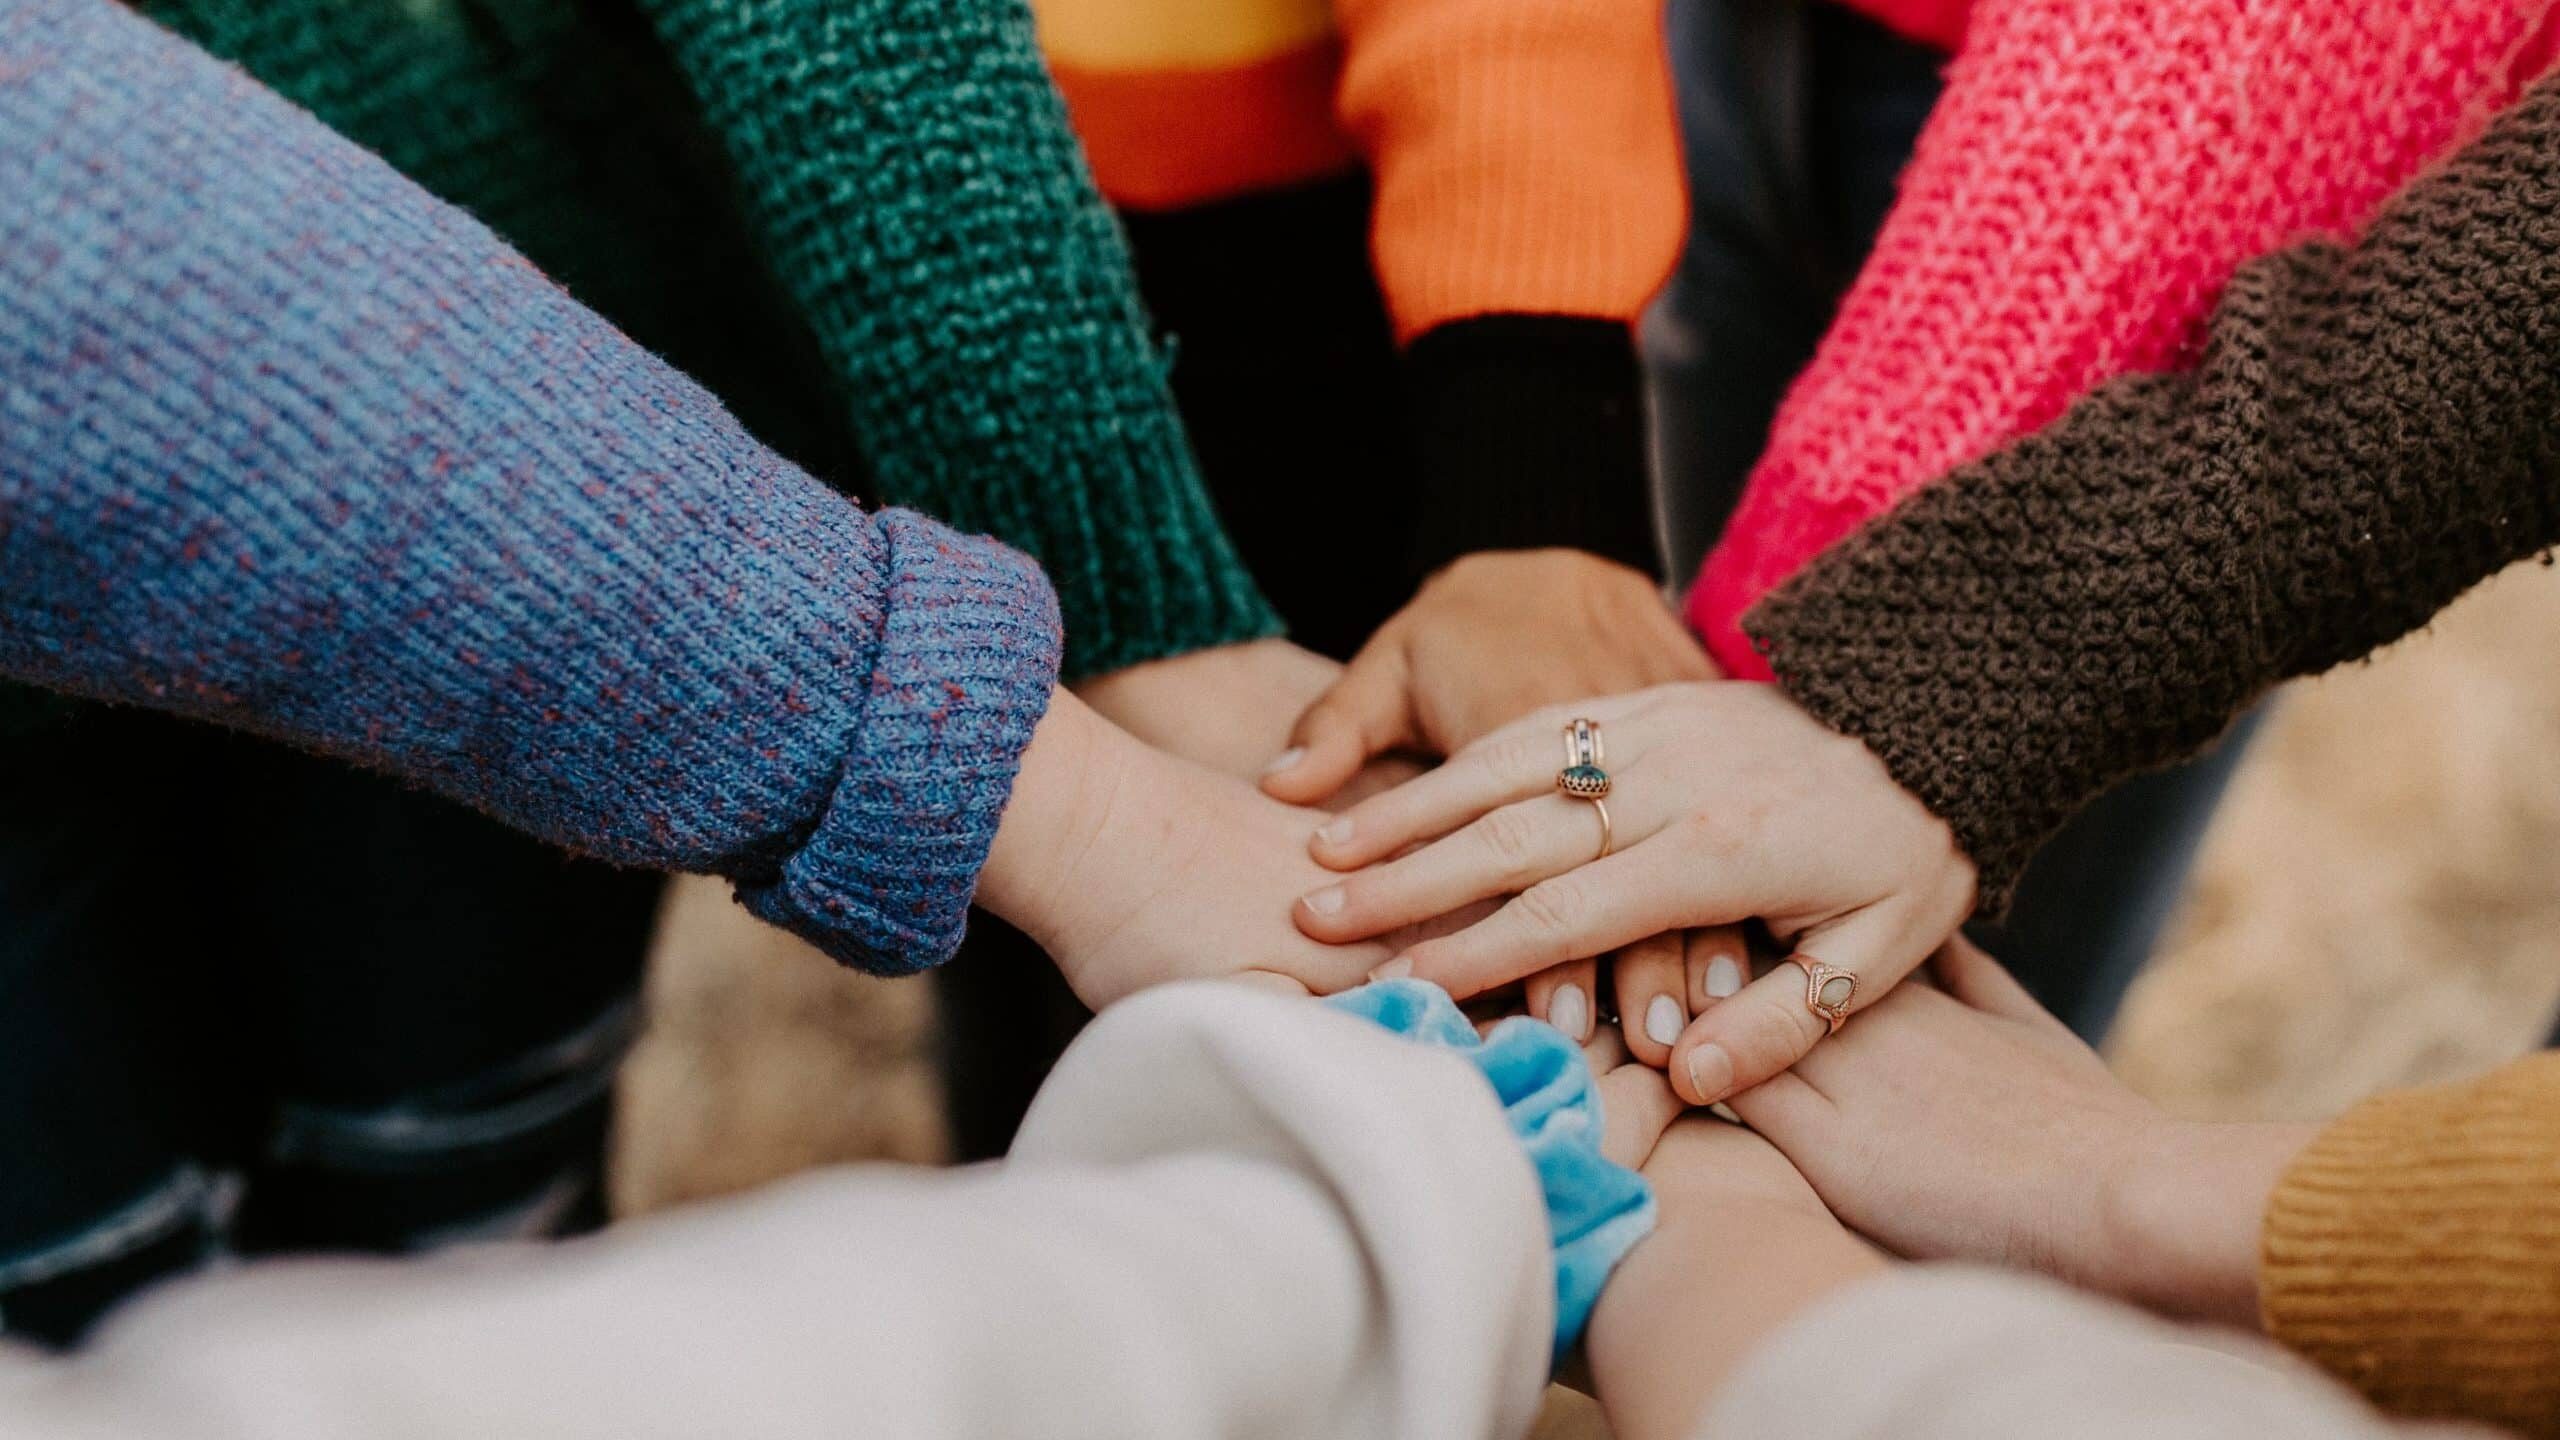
x: 1132, y: 867
x: 1743, y: 1245
x: 1485, y: 641
x: 1729, y: 803
x: 1970, y: 1124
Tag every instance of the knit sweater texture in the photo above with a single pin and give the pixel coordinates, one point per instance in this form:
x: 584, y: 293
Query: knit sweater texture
x: 2373, y: 430
x: 2095, y: 172
x: 2413, y: 1250
x: 287, y: 445
x: 1525, y: 152
x: 952, y: 291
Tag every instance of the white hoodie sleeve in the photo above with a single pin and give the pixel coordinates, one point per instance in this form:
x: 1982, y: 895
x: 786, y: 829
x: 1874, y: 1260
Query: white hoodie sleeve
x: 1955, y: 1352
x: 1228, y: 1214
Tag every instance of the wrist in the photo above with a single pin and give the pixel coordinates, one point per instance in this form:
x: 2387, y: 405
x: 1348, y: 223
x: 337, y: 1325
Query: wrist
x: 1693, y: 1301
x: 2180, y: 1214
x: 1061, y: 808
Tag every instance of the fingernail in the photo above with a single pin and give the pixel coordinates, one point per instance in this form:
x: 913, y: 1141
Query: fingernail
x: 1662, y: 1020
x: 1327, y: 901
x: 1724, y: 977
x: 1569, y: 1010
x: 1285, y: 760
x: 1335, y: 831
x: 1395, y: 969
x: 1710, y: 1073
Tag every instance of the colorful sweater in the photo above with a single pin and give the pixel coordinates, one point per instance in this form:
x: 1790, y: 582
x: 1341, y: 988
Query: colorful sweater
x: 2078, y: 200
x: 1525, y: 151
x: 287, y: 445
x: 1527, y: 203
x: 2371, y: 432
x: 862, y: 218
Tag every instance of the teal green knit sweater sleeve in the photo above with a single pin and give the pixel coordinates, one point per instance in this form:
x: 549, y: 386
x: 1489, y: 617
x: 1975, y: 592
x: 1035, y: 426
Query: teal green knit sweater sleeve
x: 917, y: 186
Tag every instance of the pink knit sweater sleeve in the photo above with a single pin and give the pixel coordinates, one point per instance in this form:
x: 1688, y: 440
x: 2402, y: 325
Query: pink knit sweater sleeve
x: 2092, y: 176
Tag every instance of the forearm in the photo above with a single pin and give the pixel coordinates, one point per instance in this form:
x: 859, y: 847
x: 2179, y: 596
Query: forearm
x: 2041, y: 246
x: 2368, y: 436
x: 1526, y: 155
x: 1528, y: 206
x: 1529, y: 431
x: 1692, y: 1303
x: 1227, y: 1215
x: 2180, y: 1228
x: 1933, y: 1352
x: 919, y: 191
x: 291, y: 447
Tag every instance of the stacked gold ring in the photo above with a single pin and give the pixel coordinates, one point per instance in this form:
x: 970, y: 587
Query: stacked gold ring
x: 1582, y: 778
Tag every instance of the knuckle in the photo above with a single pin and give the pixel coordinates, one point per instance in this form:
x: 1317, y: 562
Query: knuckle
x: 1505, y: 754
x: 1552, y: 909
x: 1509, y: 836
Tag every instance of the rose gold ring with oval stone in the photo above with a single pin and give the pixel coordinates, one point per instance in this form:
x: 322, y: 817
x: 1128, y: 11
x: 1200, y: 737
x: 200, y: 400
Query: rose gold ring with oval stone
x: 1827, y: 990
x: 1583, y: 779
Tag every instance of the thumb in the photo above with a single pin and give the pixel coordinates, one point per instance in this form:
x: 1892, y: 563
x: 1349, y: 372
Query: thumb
x: 1367, y: 711
x: 1771, y: 1024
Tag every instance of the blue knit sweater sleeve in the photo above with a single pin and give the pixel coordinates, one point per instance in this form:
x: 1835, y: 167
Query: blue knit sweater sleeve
x: 287, y: 445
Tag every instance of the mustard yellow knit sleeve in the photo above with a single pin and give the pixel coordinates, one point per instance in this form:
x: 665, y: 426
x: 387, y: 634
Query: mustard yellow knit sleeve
x: 2413, y: 1250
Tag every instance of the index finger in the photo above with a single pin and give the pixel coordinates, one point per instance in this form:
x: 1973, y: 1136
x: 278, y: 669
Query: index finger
x: 1519, y: 760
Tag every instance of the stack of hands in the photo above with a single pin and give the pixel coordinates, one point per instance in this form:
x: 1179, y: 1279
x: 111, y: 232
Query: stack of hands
x: 1729, y: 806
x: 1284, y: 820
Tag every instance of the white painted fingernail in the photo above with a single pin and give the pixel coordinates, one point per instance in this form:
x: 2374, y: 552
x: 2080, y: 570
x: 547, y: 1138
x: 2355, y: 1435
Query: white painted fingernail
x: 1569, y: 1010
x: 1662, y: 1020
x: 1395, y: 969
x: 1710, y: 1073
x: 1327, y: 901
x: 1724, y: 977
x: 1286, y: 760
x: 1335, y: 831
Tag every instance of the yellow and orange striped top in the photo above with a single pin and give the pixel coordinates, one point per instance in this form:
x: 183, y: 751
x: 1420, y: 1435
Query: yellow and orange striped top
x: 1524, y: 152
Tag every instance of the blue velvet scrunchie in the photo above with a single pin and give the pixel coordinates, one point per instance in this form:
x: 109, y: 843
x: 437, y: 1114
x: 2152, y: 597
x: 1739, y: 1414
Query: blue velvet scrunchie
x: 1596, y: 1209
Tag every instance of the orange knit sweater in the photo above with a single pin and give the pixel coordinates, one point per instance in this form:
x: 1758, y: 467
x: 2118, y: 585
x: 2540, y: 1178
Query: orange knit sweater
x: 1525, y: 152
x: 2414, y: 1250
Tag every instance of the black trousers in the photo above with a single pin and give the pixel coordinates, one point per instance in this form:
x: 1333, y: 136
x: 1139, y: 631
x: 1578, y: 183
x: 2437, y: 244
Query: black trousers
x: 255, y: 1001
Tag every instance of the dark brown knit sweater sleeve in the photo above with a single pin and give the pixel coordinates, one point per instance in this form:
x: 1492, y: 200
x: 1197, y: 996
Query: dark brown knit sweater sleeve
x: 2371, y: 432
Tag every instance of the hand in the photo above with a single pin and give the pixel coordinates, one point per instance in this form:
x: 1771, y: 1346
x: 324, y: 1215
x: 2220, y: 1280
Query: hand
x: 1742, y: 1246
x: 1729, y: 803
x: 1132, y: 867
x: 1973, y: 1125
x: 1228, y: 707
x: 1485, y: 641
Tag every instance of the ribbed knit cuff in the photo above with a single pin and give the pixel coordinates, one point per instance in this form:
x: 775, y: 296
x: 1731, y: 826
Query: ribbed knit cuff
x: 2413, y: 1250
x: 967, y: 659
x: 1530, y: 430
